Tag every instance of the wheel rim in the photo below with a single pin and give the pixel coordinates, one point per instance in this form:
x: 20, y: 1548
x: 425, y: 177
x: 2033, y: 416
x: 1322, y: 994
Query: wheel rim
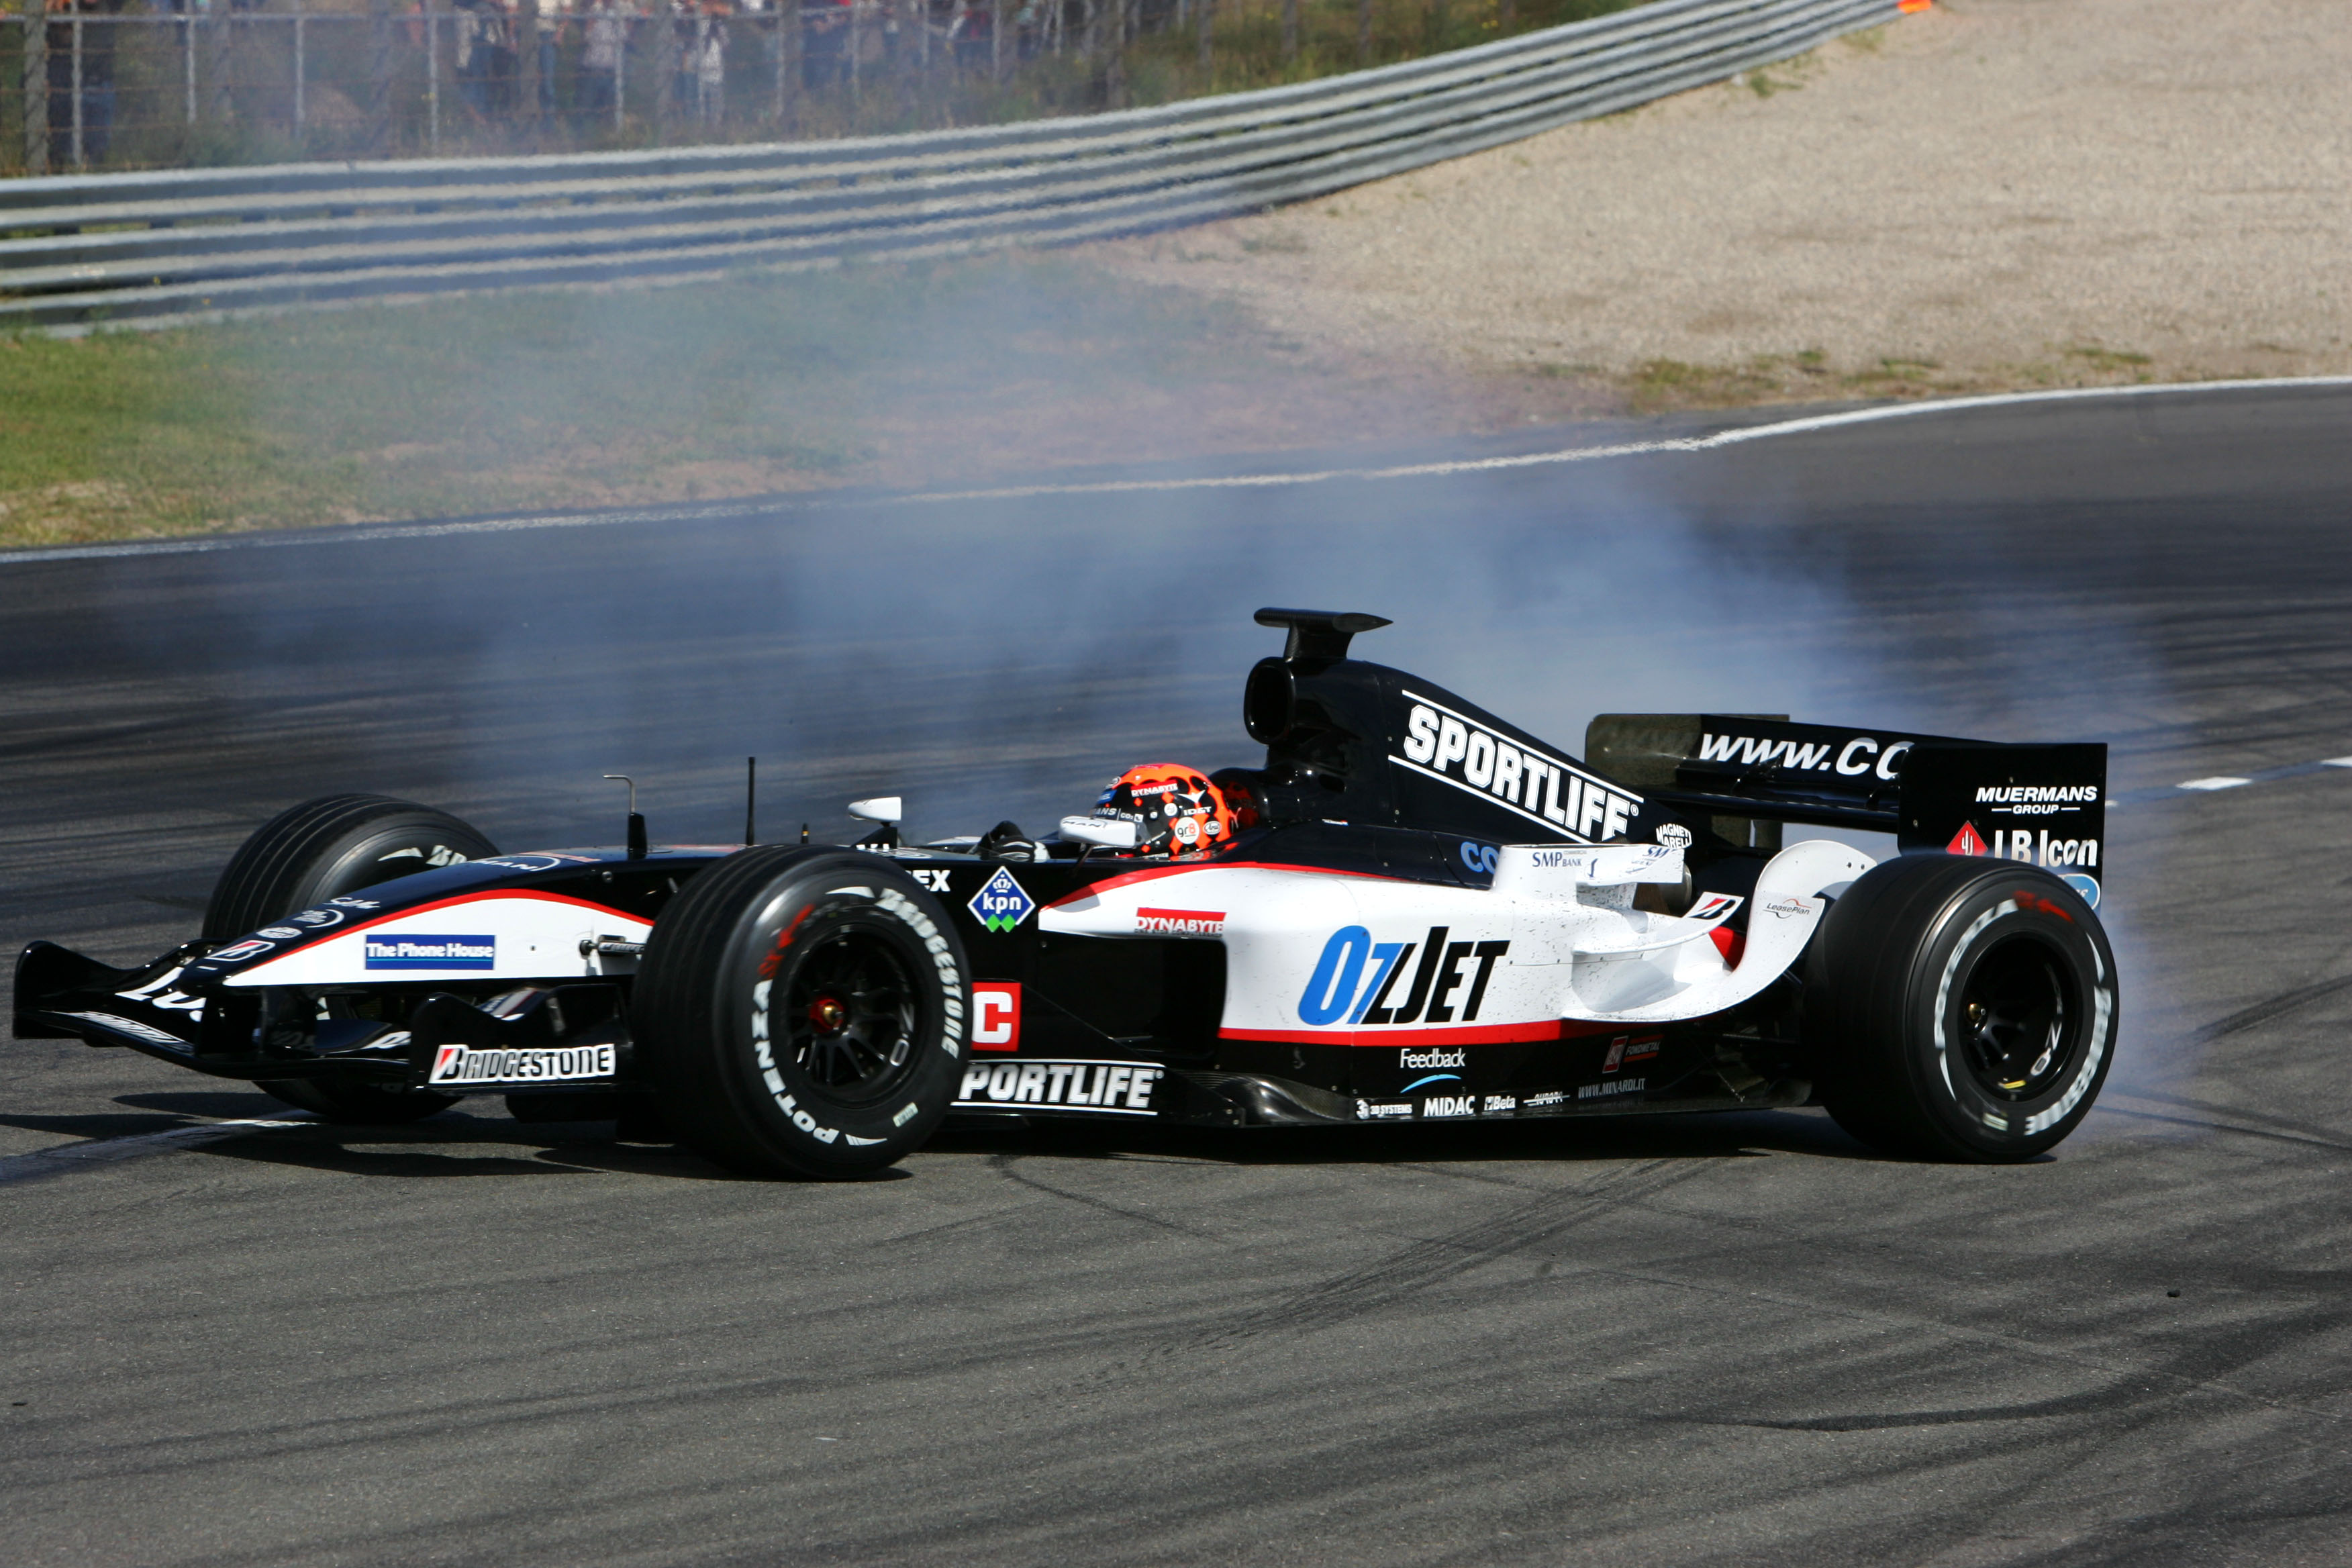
x: 2017, y: 1019
x: 849, y: 1016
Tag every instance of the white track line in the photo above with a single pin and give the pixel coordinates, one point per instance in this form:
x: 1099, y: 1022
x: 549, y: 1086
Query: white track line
x: 362, y: 533
x: 46, y: 1163
x: 2220, y: 781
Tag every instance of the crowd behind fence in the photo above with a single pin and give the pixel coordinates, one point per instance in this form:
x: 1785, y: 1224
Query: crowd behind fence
x: 163, y: 83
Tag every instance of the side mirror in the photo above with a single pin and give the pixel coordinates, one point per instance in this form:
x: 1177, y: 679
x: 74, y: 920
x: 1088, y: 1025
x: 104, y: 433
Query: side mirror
x: 1103, y: 832
x: 881, y: 808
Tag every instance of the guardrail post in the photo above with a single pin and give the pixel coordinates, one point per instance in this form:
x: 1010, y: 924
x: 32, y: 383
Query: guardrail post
x: 1289, y: 32
x: 36, y: 95
x: 188, y: 61
x: 1207, y: 14
x: 1363, y: 32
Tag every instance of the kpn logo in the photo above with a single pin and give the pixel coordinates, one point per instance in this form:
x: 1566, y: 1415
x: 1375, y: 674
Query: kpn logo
x: 1001, y: 905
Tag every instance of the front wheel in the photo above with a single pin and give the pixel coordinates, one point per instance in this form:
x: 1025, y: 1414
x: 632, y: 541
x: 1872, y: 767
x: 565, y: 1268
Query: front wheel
x: 310, y: 853
x: 1960, y: 1008
x: 802, y: 1012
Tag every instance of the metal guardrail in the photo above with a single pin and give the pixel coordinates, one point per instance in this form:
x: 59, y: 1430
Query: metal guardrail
x: 84, y: 250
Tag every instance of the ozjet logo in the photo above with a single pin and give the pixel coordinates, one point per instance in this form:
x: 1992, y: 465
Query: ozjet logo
x: 1356, y: 979
x: 1001, y: 905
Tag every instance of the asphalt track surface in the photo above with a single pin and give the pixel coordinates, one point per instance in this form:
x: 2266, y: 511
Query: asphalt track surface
x: 1736, y: 1338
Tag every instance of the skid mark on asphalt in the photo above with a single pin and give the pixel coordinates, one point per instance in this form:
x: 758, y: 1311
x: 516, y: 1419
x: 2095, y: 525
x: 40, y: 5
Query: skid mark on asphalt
x: 1408, y: 1272
x: 1009, y: 1166
x: 2286, y: 1001
x: 2223, y: 1118
x: 44, y: 1164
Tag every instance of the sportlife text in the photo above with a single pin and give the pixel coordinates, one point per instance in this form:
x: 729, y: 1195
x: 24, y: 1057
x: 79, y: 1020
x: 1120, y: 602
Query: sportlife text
x: 1538, y: 787
x: 1079, y: 1086
x: 1356, y: 979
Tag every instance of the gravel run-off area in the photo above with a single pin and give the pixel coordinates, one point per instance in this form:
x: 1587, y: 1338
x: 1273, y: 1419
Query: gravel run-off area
x: 1997, y: 194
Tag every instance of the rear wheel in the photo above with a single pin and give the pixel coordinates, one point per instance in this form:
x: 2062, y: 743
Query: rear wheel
x: 802, y: 1012
x: 320, y: 850
x: 1960, y: 1008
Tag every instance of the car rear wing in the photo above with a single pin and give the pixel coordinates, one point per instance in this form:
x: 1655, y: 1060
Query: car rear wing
x: 2045, y: 805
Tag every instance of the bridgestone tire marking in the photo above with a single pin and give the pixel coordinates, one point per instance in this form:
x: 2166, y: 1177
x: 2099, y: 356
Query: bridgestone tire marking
x: 911, y: 915
x: 2103, y: 1002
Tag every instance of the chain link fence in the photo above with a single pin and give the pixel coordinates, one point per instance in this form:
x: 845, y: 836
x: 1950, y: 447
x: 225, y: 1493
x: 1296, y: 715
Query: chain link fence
x: 89, y: 85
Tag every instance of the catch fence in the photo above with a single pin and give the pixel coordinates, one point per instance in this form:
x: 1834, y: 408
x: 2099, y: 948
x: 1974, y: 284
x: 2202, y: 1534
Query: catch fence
x: 80, y: 250
x: 99, y: 84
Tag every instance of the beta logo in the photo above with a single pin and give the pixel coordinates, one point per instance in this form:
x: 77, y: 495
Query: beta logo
x: 421, y: 951
x: 1356, y: 979
x: 997, y: 1015
x: 999, y: 905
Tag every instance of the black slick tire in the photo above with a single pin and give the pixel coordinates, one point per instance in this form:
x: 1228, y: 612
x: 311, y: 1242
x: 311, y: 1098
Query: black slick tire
x: 309, y: 853
x: 336, y: 844
x: 802, y: 1013
x: 1960, y: 1008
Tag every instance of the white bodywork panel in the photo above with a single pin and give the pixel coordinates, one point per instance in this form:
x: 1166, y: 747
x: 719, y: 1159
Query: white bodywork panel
x: 1553, y: 945
x: 499, y: 934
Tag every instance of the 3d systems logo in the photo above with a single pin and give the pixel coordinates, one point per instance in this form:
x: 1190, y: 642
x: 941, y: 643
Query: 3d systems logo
x: 1001, y: 905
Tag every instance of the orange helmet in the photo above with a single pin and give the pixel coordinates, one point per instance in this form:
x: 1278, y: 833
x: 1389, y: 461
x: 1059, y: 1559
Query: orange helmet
x: 1176, y: 810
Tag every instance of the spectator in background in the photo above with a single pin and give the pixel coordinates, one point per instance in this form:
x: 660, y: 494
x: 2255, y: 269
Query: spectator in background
x: 682, y: 19
x: 710, y: 64
x: 549, y: 26
x: 599, y: 60
x: 471, y: 49
x: 506, y: 63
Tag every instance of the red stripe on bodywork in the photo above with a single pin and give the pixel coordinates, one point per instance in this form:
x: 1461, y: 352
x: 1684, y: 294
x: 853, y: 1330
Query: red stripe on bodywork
x: 482, y: 896
x: 1457, y: 1035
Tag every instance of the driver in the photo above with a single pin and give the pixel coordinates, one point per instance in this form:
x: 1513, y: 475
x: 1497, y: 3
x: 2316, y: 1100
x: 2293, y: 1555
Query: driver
x: 1176, y: 809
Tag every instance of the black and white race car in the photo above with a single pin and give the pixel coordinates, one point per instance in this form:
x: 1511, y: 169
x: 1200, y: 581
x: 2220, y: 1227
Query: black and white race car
x: 1423, y: 914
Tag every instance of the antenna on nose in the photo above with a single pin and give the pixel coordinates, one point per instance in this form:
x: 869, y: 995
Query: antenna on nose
x: 636, y: 823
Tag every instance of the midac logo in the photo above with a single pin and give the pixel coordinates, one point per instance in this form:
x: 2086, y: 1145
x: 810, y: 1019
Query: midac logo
x: 1001, y: 905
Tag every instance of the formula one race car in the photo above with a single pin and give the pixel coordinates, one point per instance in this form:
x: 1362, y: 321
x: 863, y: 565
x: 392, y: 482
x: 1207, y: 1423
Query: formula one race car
x: 1412, y: 913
